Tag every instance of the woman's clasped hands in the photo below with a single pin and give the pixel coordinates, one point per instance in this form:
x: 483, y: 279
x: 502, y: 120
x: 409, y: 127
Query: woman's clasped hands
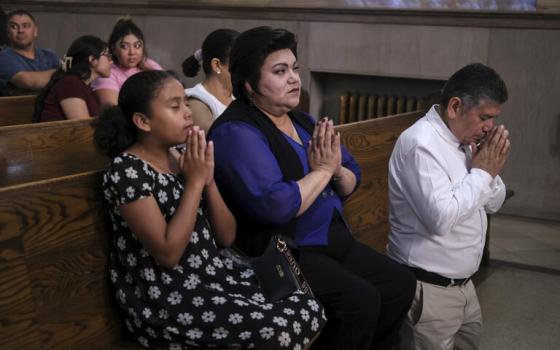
x: 323, y: 151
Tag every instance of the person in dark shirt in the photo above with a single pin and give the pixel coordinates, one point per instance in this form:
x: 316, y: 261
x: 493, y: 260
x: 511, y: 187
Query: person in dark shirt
x: 68, y: 95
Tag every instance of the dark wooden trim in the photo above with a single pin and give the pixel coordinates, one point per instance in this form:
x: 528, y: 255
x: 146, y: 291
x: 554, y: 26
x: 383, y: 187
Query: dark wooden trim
x: 39, y: 151
x: 485, y: 19
x: 53, y: 245
x: 16, y: 110
x: 371, y: 143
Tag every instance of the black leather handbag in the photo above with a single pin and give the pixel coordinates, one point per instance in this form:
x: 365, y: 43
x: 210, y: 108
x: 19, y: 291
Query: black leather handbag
x: 278, y: 272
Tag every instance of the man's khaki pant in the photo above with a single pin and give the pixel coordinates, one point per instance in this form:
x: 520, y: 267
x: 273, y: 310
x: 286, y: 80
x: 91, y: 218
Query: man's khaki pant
x: 442, y: 318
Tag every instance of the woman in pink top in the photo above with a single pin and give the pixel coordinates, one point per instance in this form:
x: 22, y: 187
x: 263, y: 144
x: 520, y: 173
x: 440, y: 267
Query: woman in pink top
x: 128, y: 48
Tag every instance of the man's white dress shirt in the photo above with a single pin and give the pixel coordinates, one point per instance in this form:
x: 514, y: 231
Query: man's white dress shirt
x: 438, y: 204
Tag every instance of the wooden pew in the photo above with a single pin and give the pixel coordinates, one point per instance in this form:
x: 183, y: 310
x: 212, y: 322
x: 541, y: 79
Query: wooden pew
x: 54, y: 290
x: 371, y: 143
x: 41, y: 151
x: 53, y: 275
x: 16, y: 109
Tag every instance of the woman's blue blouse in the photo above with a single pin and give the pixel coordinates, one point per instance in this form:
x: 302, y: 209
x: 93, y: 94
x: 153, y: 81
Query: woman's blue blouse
x: 246, y: 168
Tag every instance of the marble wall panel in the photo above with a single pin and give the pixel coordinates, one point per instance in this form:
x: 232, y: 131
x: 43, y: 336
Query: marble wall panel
x: 394, y: 50
x: 169, y: 39
x: 529, y: 61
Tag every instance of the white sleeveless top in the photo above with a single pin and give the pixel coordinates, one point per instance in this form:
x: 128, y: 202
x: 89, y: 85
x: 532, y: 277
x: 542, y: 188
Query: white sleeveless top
x: 200, y: 93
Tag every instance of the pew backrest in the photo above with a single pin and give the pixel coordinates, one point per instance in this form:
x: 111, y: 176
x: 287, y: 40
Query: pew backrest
x: 41, y: 151
x: 371, y: 143
x: 54, y: 288
x: 16, y: 110
x: 53, y: 274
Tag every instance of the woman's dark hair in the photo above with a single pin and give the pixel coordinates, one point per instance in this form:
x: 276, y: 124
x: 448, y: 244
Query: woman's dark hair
x: 250, y: 50
x: 473, y: 84
x: 216, y: 45
x: 122, y: 28
x: 76, y: 62
x: 114, y: 129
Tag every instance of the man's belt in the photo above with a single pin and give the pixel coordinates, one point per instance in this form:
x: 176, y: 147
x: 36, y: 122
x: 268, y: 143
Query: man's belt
x: 436, y: 279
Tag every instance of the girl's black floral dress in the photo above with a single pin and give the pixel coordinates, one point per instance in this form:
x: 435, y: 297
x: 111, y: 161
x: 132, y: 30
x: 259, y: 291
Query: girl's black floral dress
x: 206, y: 300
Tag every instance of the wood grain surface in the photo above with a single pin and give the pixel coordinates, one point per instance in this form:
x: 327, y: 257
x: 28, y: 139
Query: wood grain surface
x: 54, y: 290
x: 371, y: 143
x: 16, y: 110
x: 41, y: 151
x: 53, y: 275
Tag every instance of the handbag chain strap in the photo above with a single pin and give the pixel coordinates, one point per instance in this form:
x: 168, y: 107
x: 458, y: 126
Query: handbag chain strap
x: 283, y: 248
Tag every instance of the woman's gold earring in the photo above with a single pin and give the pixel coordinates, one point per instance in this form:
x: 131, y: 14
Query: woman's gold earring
x: 219, y: 72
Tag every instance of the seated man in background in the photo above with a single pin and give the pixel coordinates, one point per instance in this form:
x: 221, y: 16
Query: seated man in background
x: 24, y: 68
x: 443, y: 179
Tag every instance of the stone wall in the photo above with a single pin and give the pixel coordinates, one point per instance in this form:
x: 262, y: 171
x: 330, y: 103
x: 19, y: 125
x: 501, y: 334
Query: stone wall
x: 523, y: 47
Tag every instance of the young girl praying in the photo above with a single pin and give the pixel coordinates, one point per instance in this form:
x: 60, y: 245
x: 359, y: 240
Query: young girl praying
x: 174, y: 289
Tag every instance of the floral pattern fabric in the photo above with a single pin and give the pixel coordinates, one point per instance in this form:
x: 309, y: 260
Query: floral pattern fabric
x: 206, y: 300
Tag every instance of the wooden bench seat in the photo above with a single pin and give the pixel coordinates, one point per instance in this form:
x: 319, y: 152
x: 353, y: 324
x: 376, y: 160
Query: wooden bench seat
x: 54, y: 288
x: 53, y: 275
x: 16, y: 110
x: 41, y: 151
x: 371, y: 143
